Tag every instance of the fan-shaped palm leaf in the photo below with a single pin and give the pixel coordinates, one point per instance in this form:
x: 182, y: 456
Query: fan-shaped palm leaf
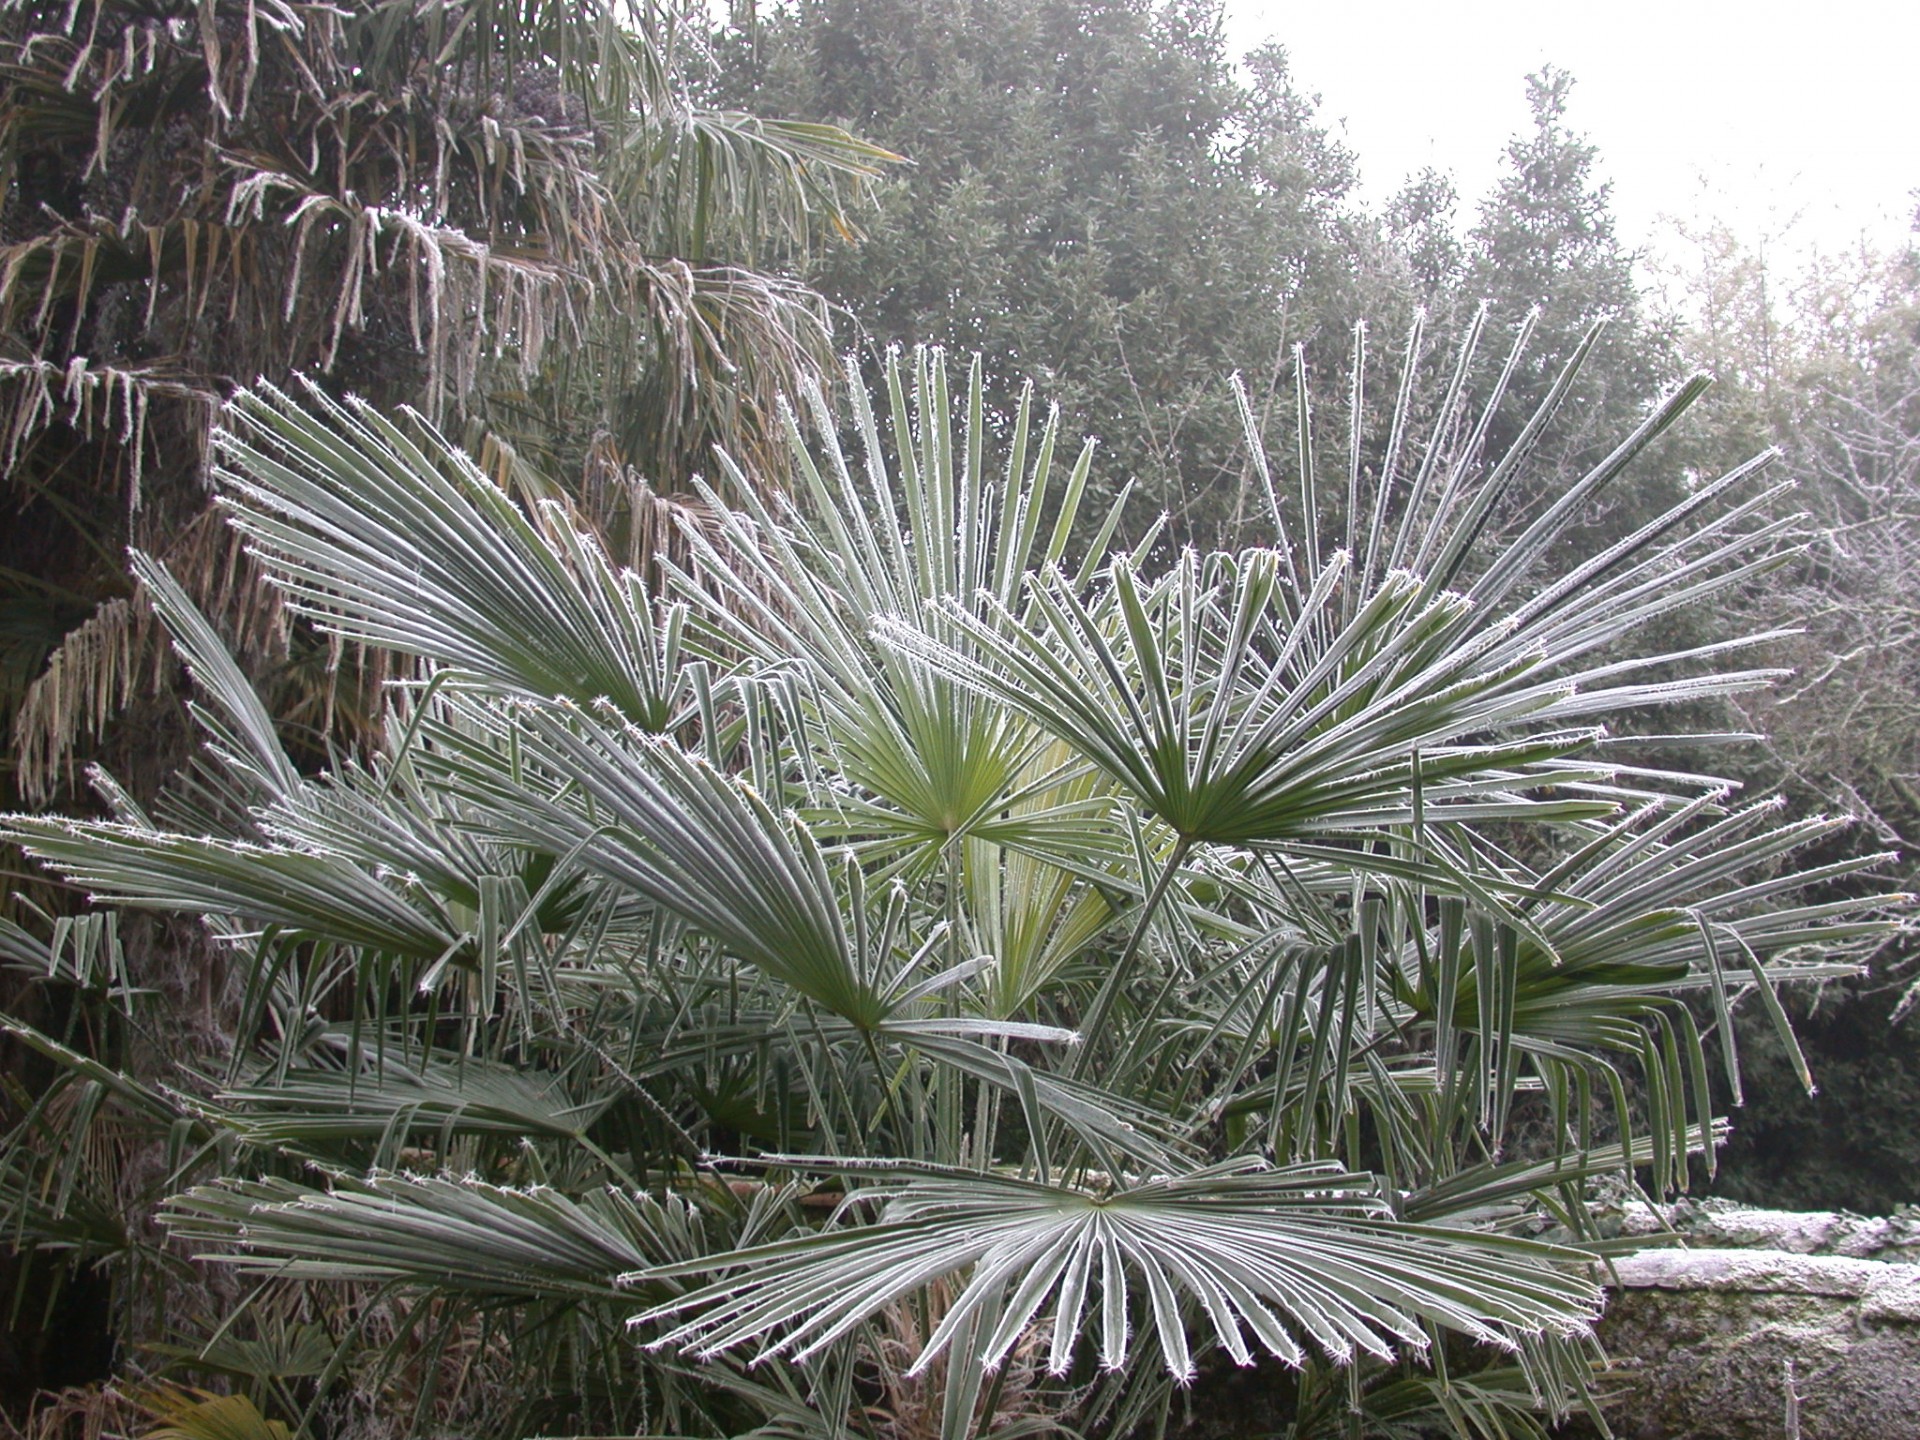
x: 401, y: 541
x: 461, y: 1234
x: 921, y: 761
x: 1274, y: 1254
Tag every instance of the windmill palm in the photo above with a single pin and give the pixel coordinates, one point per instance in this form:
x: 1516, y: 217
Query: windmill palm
x: 517, y: 217
x: 907, y: 928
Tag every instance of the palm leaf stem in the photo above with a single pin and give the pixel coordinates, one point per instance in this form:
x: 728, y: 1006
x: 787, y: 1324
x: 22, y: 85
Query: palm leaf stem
x: 1121, y: 969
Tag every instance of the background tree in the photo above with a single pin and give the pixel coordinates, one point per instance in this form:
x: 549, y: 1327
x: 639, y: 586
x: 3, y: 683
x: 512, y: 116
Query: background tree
x: 1422, y: 221
x: 515, y: 218
x: 1099, y: 200
x: 1544, y: 240
x: 1826, y: 365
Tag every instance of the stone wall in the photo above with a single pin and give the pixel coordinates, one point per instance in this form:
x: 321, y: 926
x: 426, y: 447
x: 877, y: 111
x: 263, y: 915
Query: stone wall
x: 1768, y: 1344
x: 1720, y: 1224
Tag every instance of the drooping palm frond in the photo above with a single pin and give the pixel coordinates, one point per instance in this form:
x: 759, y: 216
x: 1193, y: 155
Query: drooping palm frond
x: 400, y: 1103
x: 90, y: 398
x: 203, y: 1415
x: 464, y: 1235
x: 236, y: 723
x: 99, y: 666
x: 528, y: 604
x: 266, y: 884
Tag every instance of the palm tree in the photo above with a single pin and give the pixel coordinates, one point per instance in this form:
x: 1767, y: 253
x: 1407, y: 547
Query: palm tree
x: 515, y: 217
x: 986, y: 979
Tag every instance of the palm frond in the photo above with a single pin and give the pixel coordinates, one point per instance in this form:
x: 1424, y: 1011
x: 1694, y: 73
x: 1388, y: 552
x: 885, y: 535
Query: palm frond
x: 97, y: 669
x: 924, y: 761
x: 1275, y: 1254
x: 529, y: 603
x: 462, y: 1234
x: 401, y: 1100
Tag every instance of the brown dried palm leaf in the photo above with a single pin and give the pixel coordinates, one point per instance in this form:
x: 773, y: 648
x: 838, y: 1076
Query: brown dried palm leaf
x: 102, y: 402
x: 97, y: 670
x: 120, y: 653
x: 79, y: 1412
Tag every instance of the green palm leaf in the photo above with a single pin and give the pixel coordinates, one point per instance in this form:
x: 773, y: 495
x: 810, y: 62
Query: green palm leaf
x: 289, y: 887
x: 399, y: 540
x: 461, y: 1234
x: 433, y: 1098
x: 922, y: 760
x: 1272, y: 1254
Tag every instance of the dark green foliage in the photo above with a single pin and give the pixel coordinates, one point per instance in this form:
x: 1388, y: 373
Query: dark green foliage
x: 1100, y: 200
x: 1854, y: 1145
x: 1544, y: 240
x: 1097, y: 201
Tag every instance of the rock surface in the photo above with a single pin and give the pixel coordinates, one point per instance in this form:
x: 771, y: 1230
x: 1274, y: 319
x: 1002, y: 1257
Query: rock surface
x: 1735, y: 1344
x: 1723, y: 1224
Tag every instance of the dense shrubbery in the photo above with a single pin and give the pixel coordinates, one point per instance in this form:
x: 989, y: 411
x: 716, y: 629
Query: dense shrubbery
x: 1076, y: 959
x: 898, y: 907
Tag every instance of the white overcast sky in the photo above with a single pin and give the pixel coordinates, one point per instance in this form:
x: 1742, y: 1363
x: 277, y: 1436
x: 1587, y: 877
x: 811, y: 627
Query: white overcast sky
x: 1761, y: 113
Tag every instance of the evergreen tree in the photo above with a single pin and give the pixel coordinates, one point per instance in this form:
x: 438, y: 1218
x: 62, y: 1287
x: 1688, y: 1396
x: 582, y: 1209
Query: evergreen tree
x: 1097, y: 201
x: 1544, y: 239
x: 1421, y: 223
